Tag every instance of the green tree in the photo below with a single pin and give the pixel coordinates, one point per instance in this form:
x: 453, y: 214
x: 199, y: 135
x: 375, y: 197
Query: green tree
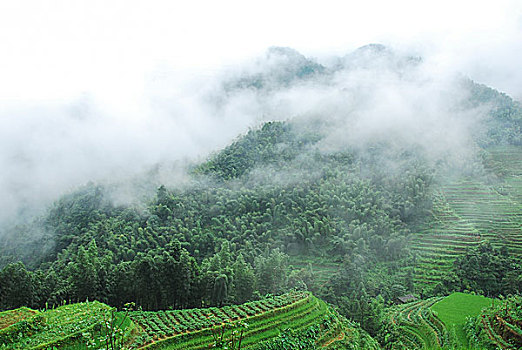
x: 244, y: 280
x: 16, y: 287
x: 220, y: 292
x: 271, y: 272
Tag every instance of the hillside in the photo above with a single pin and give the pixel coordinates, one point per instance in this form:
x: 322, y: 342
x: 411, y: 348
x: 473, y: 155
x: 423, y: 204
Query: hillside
x: 469, y: 211
x: 301, y: 316
x: 58, y: 327
x: 499, y: 326
x: 296, y: 318
x: 455, y: 309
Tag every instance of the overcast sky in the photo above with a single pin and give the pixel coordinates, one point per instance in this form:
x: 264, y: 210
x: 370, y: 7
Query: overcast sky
x: 59, y: 50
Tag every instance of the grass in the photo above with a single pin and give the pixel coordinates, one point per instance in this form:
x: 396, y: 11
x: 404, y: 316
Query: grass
x: 454, y: 309
x: 437, y: 322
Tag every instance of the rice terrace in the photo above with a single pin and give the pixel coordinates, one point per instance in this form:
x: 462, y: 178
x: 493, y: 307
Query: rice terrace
x: 239, y: 326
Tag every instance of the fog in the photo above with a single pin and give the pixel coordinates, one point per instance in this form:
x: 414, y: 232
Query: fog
x: 104, y: 94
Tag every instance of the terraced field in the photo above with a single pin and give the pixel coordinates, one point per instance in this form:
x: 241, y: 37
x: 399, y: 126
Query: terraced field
x: 74, y: 326
x: 454, y: 309
x: 419, y: 327
x: 257, y: 321
x: 445, y: 237
x: 496, y: 217
x: 498, y: 326
x: 8, y: 318
x: 57, y: 328
x: 467, y: 212
x: 437, y: 323
x: 505, y: 161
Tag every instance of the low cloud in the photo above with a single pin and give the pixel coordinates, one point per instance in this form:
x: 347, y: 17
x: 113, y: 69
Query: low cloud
x: 372, y: 95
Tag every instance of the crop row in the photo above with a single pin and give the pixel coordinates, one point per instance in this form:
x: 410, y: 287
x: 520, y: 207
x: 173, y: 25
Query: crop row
x: 260, y: 327
x: 493, y: 335
x: 10, y: 317
x: 418, y: 324
x: 164, y: 324
x: 445, y: 237
x: 499, y: 325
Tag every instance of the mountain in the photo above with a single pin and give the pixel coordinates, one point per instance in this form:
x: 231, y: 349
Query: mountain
x: 281, y: 66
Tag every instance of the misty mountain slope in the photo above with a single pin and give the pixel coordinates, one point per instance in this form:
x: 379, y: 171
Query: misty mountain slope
x: 283, y: 154
x: 274, y: 144
x: 365, y: 194
x: 284, y: 67
x: 378, y: 56
x: 506, y: 163
x: 445, y: 236
x: 469, y: 211
x: 496, y: 217
x: 280, y: 67
x: 504, y: 125
x: 258, y: 206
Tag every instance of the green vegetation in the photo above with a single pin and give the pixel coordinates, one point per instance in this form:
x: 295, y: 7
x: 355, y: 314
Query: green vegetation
x: 456, y: 308
x: 8, y: 318
x: 434, y: 323
x: 56, y: 327
x: 166, y: 324
x: 498, y: 326
x: 296, y: 318
x: 269, y: 321
x: 445, y: 237
x: 470, y: 212
x: 261, y: 326
x: 209, y: 245
x: 415, y: 326
x: 496, y: 217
